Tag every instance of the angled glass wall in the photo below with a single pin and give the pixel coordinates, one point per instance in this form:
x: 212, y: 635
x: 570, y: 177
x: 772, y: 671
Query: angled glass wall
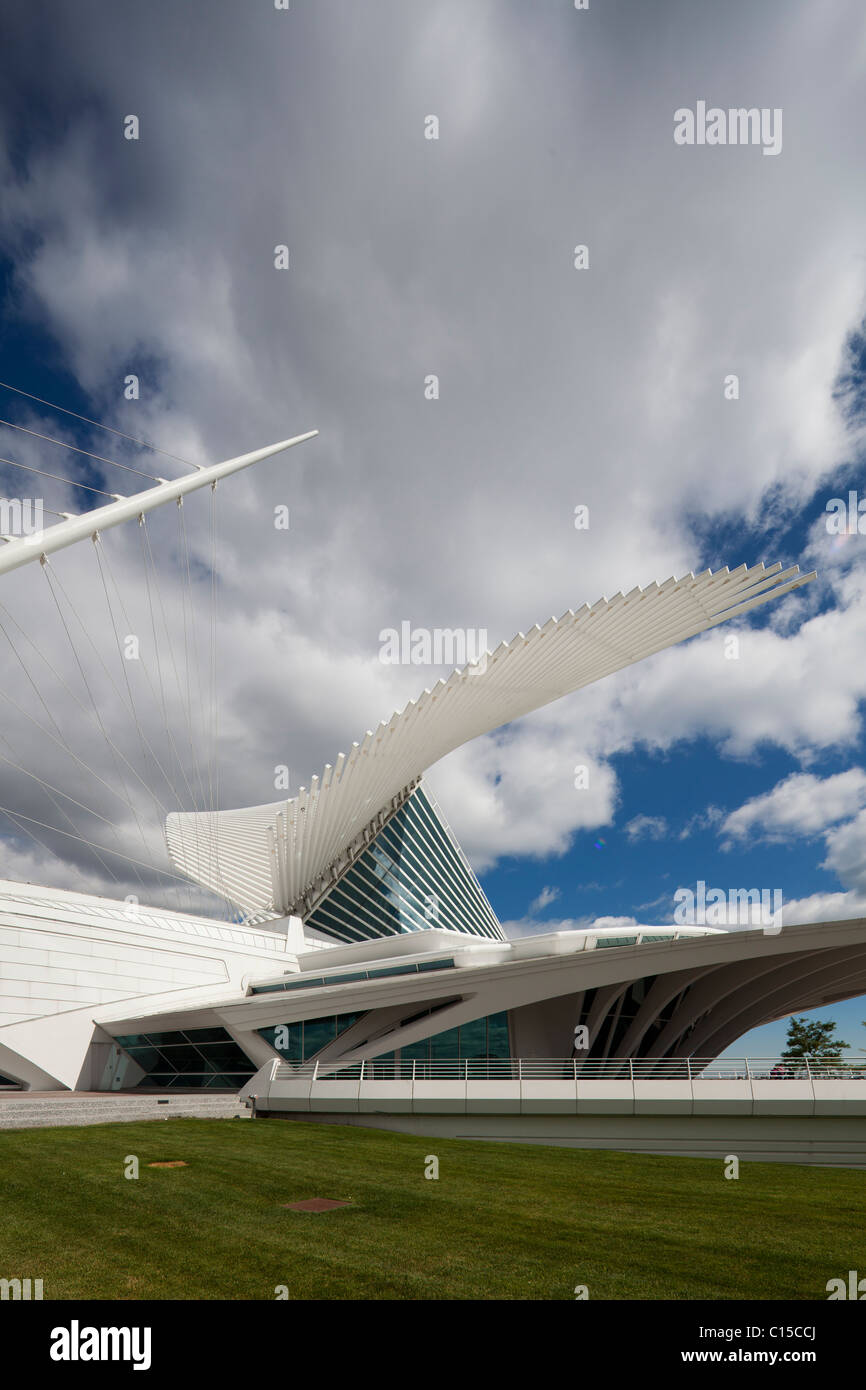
x: 482, y: 1038
x: 298, y: 1042
x: 412, y: 877
x: 197, y: 1057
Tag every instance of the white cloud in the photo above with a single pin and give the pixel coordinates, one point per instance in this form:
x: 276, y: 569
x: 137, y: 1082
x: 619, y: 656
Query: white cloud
x: 846, y: 853
x: 802, y: 804
x: 824, y: 907
x: 514, y: 793
x: 547, y: 896
x: 645, y: 827
x: 702, y: 820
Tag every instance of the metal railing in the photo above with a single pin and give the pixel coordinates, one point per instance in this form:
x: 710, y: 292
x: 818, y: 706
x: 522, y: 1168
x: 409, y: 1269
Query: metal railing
x: 575, y: 1069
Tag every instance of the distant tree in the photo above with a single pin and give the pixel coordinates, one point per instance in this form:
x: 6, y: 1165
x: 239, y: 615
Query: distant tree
x: 813, y: 1040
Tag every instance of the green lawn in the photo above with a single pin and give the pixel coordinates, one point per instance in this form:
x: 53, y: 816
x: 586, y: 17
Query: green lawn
x: 503, y: 1221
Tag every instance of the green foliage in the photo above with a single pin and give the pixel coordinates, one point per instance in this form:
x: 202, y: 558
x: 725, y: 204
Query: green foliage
x: 808, y: 1038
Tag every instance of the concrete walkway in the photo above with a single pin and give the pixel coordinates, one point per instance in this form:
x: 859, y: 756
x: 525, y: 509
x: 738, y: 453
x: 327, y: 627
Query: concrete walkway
x: 50, y: 1109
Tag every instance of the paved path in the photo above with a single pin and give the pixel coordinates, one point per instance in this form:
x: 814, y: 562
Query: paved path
x: 49, y: 1109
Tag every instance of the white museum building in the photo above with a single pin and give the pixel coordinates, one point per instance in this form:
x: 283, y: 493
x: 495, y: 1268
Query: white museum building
x: 366, y: 978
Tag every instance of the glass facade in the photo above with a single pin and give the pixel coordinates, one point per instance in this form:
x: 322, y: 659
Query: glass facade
x: 298, y: 1042
x: 482, y: 1038
x: 412, y: 877
x: 197, y: 1057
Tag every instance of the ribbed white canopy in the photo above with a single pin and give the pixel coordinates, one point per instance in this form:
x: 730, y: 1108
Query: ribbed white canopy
x: 265, y: 858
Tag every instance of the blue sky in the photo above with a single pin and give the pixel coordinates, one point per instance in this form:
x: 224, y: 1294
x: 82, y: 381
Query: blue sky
x: 559, y: 387
x: 611, y: 871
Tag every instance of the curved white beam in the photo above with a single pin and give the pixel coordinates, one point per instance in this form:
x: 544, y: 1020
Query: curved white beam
x: 20, y: 550
x: 230, y: 851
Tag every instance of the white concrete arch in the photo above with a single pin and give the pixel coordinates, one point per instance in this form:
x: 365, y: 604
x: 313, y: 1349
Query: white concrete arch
x: 835, y: 981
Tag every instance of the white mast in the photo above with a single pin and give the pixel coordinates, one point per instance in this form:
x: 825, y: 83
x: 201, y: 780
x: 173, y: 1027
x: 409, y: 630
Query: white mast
x: 19, y: 550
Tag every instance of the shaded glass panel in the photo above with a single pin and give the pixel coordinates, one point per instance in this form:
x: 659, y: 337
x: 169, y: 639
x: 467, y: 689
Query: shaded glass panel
x: 410, y: 878
x: 223, y: 1054
x: 297, y: 1042
x: 285, y: 1038
x: 473, y: 1038
x: 147, y: 1057
x: 184, y: 1058
x: 193, y: 1058
x: 446, y: 1044
x: 318, y: 1032
x: 497, y: 1036
x: 481, y: 1037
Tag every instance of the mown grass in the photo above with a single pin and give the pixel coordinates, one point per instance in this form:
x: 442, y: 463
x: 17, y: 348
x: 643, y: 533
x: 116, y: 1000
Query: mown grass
x: 503, y: 1221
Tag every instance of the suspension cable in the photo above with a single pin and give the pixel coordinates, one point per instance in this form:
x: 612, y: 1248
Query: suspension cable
x: 61, y: 444
x: 55, y: 830
x: 103, y: 730
x: 70, y: 482
x: 98, y: 425
x: 47, y: 785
